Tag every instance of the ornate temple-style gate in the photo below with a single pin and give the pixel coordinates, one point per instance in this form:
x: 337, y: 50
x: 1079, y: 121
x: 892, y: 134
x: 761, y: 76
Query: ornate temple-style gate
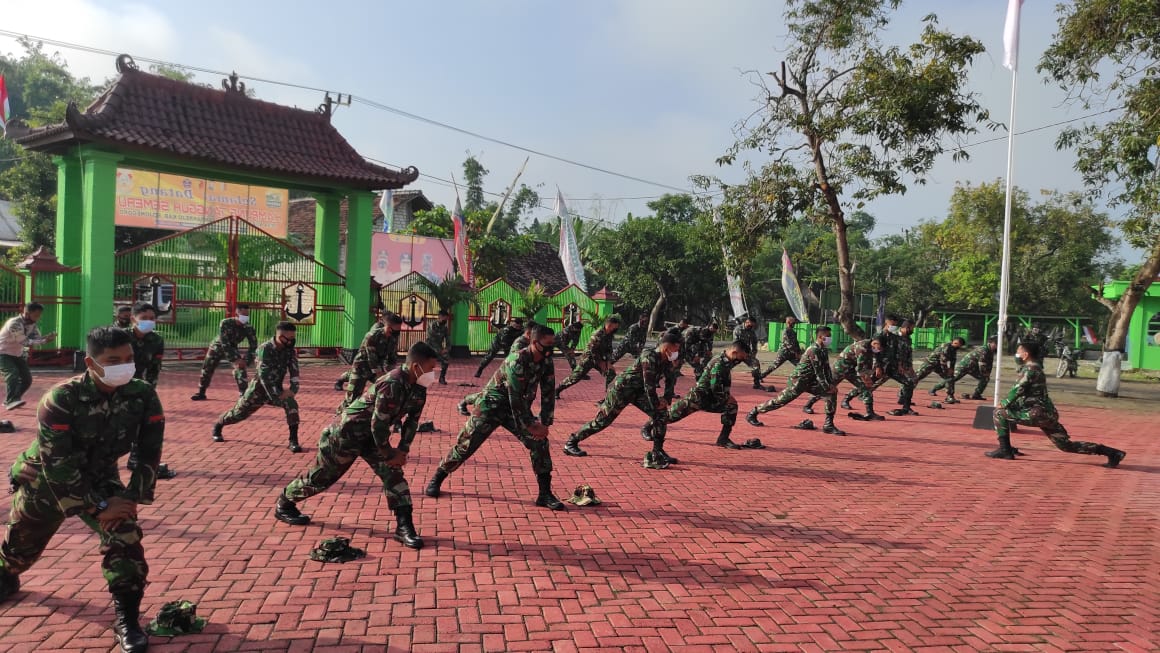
x: 198, y: 277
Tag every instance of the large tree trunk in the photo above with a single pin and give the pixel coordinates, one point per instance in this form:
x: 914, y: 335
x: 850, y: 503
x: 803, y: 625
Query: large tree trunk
x: 1108, y: 384
x: 659, y: 306
x: 845, y: 278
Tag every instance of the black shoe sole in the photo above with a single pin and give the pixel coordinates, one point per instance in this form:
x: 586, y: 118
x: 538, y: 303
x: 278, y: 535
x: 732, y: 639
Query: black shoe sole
x: 557, y: 505
x: 577, y: 453
x: 292, y: 521
x: 410, y: 545
x: 218, y: 438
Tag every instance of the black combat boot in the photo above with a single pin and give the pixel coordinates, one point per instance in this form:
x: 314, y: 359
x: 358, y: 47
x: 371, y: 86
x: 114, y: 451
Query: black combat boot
x: 846, y: 404
x: 127, y: 628
x: 9, y: 584
x: 405, y: 529
x: 293, y: 445
x: 338, y: 385
x: 572, y: 447
x: 479, y: 372
x: 461, y: 407
x: 546, y: 499
x: 433, y: 490
x: 646, y: 433
x: 723, y: 439
x: 217, y: 433
x: 200, y: 396
x: 287, y: 511
x: 1004, y: 451
x: 828, y: 427
x: 443, y: 377
x: 752, y: 419
x: 808, y: 409
x: 667, y: 458
x: 1114, y: 455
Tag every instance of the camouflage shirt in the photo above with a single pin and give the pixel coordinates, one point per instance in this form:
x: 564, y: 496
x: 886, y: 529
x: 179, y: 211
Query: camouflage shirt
x: 1030, y: 389
x: 981, y: 356
x: 148, y: 352
x: 858, y: 358
x: 677, y: 331
x: 891, y: 343
x: 521, y: 342
x: 392, y: 399
x: 943, y: 356
x: 717, y: 379
x: 378, y: 352
x: 439, y: 335
x: 905, y: 360
x: 789, y: 341
x: 274, y: 363
x: 82, y: 433
x: 514, y: 385
x: 506, y: 336
x: 643, y: 376
x: 814, y: 368
x: 599, y: 346
x: 748, y: 336
x: 636, y: 336
x: 231, y: 333
x: 571, y: 337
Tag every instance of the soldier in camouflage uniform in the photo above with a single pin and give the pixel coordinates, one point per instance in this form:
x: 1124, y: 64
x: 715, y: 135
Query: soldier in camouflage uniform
x: 378, y: 353
x: 439, y: 339
x: 813, y: 375
x: 86, y: 424
x: 697, y: 347
x: 597, y: 356
x: 857, y: 364
x: 506, y: 401
x: 525, y: 338
x: 789, y: 350
x: 710, y: 394
x: 904, y: 371
x: 502, y: 343
x: 123, y: 317
x: 1028, y: 404
x: 976, y: 363
x: 634, y: 340
x: 231, y: 333
x: 746, y: 331
x: 148, y: 352
x: 570, y: 341
x: 636, y: 386
x: 277, y: 360
x: 364, y: 431
x: 941, y: 361
x: 678, y: 330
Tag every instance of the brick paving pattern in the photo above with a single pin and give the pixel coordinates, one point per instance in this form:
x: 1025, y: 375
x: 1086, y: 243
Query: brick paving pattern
x: 900, y: 537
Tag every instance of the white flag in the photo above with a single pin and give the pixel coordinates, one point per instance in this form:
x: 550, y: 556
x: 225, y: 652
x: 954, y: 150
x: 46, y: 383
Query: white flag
x: 1011, y: 35
x: 387, y: 206
x: 569, y: 250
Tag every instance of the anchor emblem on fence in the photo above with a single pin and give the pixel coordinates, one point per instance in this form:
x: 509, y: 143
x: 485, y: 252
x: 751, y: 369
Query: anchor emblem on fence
x: 413, y: 320
x: 162, y: 307
x: 300, y: 307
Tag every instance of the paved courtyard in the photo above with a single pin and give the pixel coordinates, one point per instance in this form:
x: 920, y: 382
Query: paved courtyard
x: 900, y: 537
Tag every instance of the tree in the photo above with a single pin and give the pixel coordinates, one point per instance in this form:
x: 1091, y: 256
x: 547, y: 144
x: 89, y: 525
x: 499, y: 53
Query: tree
x: 448, y: 292
x: 1105, y: 54
x: 473, y: 174
x: 847, y: 118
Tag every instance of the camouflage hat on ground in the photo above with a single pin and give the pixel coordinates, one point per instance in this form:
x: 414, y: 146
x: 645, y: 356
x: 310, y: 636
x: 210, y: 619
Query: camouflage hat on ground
x: 805, y: 425
x: 7, y: 426
x: 935, y: 404
x: 584, y: 496
x: 176, y: 618
x: 336, y: 549
x: 652, y: 461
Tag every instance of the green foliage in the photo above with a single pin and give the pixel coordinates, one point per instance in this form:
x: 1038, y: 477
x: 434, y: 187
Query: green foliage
x: 473, y: 175
x: 448, y: 292
x: 534, y: 300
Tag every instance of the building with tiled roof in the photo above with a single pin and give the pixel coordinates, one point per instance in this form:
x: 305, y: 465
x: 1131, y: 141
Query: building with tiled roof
x: 302, y: 212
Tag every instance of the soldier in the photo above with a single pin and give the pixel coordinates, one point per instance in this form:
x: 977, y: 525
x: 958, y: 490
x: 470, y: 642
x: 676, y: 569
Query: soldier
x: 506, y: 401
x: 697, y: 346
x: 70, y: 469
x: 364, y: 431
x: 636, y: 386
x: 678, y: 330
x: 978, y: 364
x: 904, y: 371
x: 857, y: 364
x: 1028, y: 404
x: 941, y: 361
x: 569, y: 341
x: 596, y: 356
x: 634, y: 339
x: 679, y: 327
x: 789, y: 350
x: 502, y: 343
x: 123, y: 317
x: 148, y: 352
x: 16, y: 336
x: 378, y: 353
x: 439, y: 339
x: 231, y: 333
x: 812, y: 374
x: 886, y: 361
x: 746, y: 332
x: 277, y: 359
x: 711, y: 394
x: 525, y: 338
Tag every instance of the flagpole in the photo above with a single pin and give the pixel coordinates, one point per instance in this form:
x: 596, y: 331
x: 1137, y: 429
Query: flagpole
x: 1005, y: 269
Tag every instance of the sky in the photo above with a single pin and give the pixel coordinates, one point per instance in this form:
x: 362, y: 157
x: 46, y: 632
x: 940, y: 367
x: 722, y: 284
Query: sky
x: 648, y: 88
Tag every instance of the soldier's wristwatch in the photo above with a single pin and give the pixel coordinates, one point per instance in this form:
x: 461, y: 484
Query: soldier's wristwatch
x: 101, y: 507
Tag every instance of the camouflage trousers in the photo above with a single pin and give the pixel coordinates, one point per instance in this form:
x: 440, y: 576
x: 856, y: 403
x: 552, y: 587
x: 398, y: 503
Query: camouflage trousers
x: 36, y: 517
x: 613, y: 405
x: 355, y: 383
x: 495, y: 351
x: 478, y: 429
x: 905, y: 392
x: 970, y: 369
x: 586, y: 364
x: 864, y: 392
x: 691, y: 403
x: 213, y: 357
x: 338, y: 449
x: 795, y: 389
x: 754, y: 366
x: 254, y: 398
x: 936, y: 368
x: 781, y: 358
x: 1047, y: 420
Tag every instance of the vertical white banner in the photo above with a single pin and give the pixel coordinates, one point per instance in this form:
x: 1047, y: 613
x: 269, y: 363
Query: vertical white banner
x: 569, y: 250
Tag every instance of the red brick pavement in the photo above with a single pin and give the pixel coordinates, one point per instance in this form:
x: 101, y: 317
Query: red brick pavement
x: 899, y: 537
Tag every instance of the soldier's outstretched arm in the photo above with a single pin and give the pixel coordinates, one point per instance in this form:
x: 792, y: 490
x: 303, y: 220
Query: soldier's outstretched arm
x: 388, y: 404
x: 150, y: 438
x: 153, y: 370
x: 63, y: 460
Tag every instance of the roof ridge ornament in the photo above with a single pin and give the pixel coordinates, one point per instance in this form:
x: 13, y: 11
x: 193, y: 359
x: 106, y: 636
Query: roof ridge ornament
x: 232, y: 85
x: 125, y: 63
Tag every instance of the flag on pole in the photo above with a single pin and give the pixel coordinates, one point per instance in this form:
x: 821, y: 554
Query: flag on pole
x: 1011, y: 35
x: 732, y: 282
x: 5, y: 107
x: 793, y: 291
x: 1089, y: 335
x: 387, y: 206
x: 569, y: 250
x: 462, y: 253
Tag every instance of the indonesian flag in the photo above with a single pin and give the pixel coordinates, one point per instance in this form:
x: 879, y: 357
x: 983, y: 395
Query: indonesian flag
x: 462, y: 253
x: 1089, y: 335
x: 5, y: 108
x: 1011, y: 35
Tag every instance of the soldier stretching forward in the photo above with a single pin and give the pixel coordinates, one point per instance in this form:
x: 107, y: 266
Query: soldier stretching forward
x: 597, y: 356
x: 439, y: 339
x: 711, y: 394
x: 1028, y: 404
x: 231, y: 333
x: 789, y: 350
x: 746, y: 332
x: 506, y: 401
x: 941, y: 361
x: 857, y: 363
x: 501, y: 345
x: 277, y: 359
x: 148, y: 352
x: 70, y: 470
x: 364, y: 431
x: 976, y: 363
x: 378, y: 352
x: 813, y: 375
x: 635, y: 386
x: 634, y: 339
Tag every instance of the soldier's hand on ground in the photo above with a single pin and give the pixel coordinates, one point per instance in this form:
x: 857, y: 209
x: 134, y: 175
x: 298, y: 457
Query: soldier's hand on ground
x: 538, y: 431
x: 119, y: 510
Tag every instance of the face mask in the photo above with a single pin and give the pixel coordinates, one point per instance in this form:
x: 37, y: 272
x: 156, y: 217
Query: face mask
x: 116, y: 376
x: 426, y: 379
x: 548, y: 350
x: 827, y: 340
x: 124, y: 321
x: 894, y: 328
x: 286, y: 343
x: 674, y: 355
x: 145, y: 326
x: 244, y: 319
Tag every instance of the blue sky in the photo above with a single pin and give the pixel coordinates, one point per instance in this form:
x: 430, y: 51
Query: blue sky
x: 649, y: 88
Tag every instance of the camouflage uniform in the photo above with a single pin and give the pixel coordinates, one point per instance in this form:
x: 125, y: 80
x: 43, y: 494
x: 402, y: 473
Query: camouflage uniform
x: 941, y: 361
x: 148, y: 352
x: 976, y: 363
x: 598, y: 353
x: 633, y: 342
x: 790, y: 350
x: 439, y: 339
x: 274, y: 365
x: 500, y: 345
x: 506, y: 401
x: 675, y: 369
x: 569, y: 341
x: 378, y: 353
x: 894, y: 362
x: 364, y: 431
x: 231, y: 333
x: 697, y: 348
x: 711, y: 394
x: 636, y: 386
x: 749, y: 337
x: 812, y: 374
x: 72, y: 467
x: 856, y: 364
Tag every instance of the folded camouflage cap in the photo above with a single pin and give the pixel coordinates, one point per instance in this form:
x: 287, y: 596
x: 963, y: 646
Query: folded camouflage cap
x: 584, y: 496
x: 7, y: 426
x: 653, y: 461
x: 336, y: 549
x: 805, y: 425
x: 935, y: 404
x: 176, y: 618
